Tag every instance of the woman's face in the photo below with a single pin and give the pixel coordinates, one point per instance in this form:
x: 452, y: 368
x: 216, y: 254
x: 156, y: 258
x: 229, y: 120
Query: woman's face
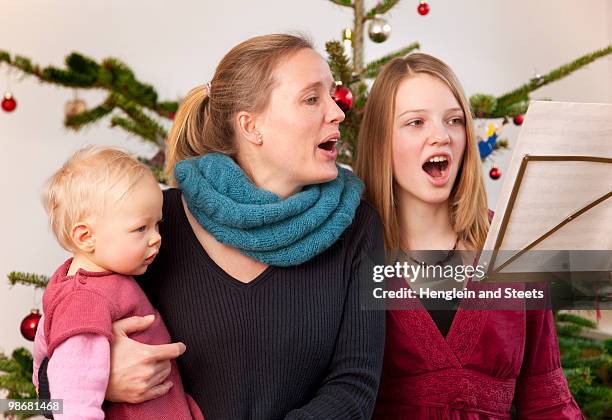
x: 428, y: 139
x: 299, y: 127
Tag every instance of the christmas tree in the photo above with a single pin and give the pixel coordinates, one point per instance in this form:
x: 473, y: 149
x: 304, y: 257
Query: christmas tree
x: 135, y: 107
x: 587, y: 364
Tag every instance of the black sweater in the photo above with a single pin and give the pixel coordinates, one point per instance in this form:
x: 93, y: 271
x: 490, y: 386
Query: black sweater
x: 293, y: 343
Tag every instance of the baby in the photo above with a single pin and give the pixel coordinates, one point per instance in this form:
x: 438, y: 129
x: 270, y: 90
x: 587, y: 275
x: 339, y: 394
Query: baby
x: 104, y: 207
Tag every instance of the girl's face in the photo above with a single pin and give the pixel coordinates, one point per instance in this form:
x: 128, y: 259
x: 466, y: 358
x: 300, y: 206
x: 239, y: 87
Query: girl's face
x: 127, y: 235
x: 299, y: 127
x: 428, y: 139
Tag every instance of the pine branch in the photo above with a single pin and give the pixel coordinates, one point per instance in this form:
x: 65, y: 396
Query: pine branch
x: 157, y: 169
x: 38, y: 281
x: 522, y: 92
x: 575, y: 319
x: 135, y: 128
x: 569, y: 329
x: 482, y: 104
x: 167, y: 108
x: 338, y: 62
x: 89, y: 116
x: 381, y: 8
x: 501, y: 144
x: 345, y: 3
x: 579, y: 343
x: 372, y: 69
x: 21, y: 63
x: 16, y: 375
x: 118, y: 77
x: 82, y: 72
x: 516, y: 108
x: 157, y: 132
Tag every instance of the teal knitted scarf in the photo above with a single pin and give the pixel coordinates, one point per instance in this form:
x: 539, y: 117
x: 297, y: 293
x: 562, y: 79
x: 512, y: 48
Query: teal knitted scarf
x: 275, y: 231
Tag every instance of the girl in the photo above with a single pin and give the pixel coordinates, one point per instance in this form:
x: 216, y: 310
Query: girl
x: 418, y: 156
x: 104, y: 207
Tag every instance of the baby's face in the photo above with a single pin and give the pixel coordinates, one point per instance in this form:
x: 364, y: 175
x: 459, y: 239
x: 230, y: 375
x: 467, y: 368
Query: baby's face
x: 127, y: 237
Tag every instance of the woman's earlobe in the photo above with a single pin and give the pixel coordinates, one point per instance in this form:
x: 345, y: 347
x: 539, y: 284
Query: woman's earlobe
x: 246, y: 127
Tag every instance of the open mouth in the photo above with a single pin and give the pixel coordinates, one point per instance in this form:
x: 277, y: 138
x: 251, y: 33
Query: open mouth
x: 436, y: 166
x: 328, y: 145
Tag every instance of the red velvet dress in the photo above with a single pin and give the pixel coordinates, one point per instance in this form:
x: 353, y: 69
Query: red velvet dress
x: 489, y: 359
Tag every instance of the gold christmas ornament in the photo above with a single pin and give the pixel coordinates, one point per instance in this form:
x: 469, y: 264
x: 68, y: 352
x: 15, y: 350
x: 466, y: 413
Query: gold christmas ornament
x: 74, y: 107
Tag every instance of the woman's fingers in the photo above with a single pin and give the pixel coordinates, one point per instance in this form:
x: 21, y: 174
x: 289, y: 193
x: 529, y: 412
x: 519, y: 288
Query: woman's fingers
x: 163, y: 352
x: 133, y: 324
x: 162, y: 371
x: 139, y: 372
x: 157, y: 391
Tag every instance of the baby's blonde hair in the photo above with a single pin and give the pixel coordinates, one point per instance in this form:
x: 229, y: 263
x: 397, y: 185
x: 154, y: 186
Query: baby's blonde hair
x: 84, y: 184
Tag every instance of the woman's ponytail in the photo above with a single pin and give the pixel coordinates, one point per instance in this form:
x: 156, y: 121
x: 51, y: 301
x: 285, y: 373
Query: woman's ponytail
x: 187, y: 133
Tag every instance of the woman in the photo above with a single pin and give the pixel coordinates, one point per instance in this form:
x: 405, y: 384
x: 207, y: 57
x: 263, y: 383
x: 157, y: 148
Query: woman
x: 427, y: 185
x: 260, y: 246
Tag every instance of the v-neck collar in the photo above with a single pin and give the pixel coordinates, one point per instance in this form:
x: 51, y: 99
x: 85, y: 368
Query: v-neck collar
x: 455, y: 349
x: 208, y: 261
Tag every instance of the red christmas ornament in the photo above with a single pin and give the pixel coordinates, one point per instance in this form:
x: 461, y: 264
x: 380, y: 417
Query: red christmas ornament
x: 9, y: 103
x: 29, y: 325
x: 344, y: 98
x: 423, y: 8
x: 518, y: 119
x: 495, y: 172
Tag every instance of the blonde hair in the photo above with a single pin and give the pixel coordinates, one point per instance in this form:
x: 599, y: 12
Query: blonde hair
x: 84, y: 184
x: 243, y: 81
x: 374, y: 163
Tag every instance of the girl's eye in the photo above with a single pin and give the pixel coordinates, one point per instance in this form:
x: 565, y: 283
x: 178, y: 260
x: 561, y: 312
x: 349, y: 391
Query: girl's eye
x: 141, y: 229
x: 456, y: 121
x: 312, y: 100
x: 415, y: 123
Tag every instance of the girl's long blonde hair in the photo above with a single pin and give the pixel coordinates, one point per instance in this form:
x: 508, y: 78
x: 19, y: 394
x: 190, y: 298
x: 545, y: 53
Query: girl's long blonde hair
x: 374, y: 163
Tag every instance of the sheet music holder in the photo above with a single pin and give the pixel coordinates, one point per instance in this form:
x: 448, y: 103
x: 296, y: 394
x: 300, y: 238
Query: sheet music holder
x: 556, y: 199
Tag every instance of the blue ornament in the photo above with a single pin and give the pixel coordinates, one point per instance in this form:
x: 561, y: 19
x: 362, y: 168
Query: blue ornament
x: 486, y: 147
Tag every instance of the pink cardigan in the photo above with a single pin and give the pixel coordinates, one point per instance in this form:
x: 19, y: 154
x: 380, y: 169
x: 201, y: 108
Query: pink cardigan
x: 79, y: 312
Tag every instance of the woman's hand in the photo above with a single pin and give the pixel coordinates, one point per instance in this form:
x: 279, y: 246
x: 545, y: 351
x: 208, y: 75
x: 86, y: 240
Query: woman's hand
x: 138, y: 371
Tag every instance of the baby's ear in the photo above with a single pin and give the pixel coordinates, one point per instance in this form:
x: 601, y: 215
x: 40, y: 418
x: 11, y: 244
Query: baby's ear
x: 83, y: 237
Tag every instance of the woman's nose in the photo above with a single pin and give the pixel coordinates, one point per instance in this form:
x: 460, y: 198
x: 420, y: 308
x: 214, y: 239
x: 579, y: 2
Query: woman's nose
x: 334, y: 113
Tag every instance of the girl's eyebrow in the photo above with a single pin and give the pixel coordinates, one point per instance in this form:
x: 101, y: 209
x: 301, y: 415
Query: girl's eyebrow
x: 411, y: 110
x: 424, y: 110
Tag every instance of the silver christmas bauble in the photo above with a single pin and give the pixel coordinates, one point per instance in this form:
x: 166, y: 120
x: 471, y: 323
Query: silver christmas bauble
x: 379, y: 29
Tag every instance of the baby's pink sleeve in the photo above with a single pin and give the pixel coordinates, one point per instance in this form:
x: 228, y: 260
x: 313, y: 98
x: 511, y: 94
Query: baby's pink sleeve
x: 40, y: 350
x: 78, y: 374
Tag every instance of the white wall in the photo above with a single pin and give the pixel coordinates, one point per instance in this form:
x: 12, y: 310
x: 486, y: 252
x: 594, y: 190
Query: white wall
x: 493, y: 46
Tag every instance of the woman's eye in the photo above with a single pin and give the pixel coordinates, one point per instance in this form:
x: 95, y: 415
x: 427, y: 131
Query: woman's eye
x: 456, y: 121
x: 141, y: 229
x: 312, y: 100
x: 415, y: 123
